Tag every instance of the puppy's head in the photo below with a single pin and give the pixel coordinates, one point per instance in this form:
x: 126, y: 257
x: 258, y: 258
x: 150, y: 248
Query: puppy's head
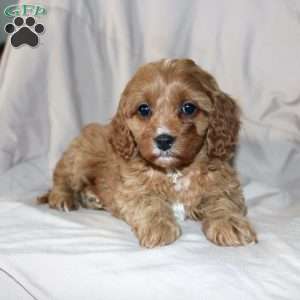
x: 170, y: 111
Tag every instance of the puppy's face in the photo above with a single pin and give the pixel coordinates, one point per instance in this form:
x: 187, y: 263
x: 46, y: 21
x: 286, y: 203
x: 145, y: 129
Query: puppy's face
x: 166, y: 108
x: 171, y: 110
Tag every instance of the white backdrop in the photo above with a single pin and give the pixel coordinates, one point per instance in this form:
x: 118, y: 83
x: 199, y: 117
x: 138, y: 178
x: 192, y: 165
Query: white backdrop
x: 88, y: 52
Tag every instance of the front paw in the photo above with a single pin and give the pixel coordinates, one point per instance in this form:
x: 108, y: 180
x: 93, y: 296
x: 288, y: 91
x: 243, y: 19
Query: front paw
x: 229, y: 231
x: 159, y: 234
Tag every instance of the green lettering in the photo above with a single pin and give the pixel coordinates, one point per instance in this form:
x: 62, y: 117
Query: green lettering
x: 40, y: 11
x: 27, y: 8
x: 12, y: 11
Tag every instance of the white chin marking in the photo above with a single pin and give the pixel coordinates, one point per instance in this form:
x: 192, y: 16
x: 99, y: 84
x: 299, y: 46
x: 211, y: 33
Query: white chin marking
x: 165, y: 159
x: 162, y: 157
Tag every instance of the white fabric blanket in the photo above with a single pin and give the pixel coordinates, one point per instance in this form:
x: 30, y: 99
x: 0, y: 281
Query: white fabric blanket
x: 88, y: 52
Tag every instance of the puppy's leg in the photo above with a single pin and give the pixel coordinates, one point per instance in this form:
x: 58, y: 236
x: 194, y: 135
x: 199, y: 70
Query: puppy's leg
x: 151, y: 219
x: 82, y: 162
x: 222, y: 223
x: 62, y: 198
x: 62, y: 195
x: 223, y: 213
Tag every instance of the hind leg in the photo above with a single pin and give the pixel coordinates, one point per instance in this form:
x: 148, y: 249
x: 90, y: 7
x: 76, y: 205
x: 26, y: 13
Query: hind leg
x: 59, y: 200
x: 62, y: 194
x: 77, y: 169
x: 62, y: 198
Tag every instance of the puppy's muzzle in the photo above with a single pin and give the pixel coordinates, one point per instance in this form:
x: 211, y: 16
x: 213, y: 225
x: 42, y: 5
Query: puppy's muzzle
x: 164, y: 141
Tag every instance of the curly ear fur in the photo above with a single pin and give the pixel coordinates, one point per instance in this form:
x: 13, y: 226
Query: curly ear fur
x: 121, y: 137
x: 223, y: 127
x: 223, y: 122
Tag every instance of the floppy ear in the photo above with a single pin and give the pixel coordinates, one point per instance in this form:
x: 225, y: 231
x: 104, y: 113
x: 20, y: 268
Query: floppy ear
x: 223, y: 120
x: 121, y: 137
x: 223, y: 128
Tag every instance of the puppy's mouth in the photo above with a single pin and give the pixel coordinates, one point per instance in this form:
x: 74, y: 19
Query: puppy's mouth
x: 165, y: 158
x: 166, y: 154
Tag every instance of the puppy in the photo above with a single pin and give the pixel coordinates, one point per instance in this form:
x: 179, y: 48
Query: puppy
x: 170, y: 143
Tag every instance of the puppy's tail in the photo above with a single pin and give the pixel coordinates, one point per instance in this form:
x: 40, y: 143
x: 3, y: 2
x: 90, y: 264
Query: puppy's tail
x: 44, y: 199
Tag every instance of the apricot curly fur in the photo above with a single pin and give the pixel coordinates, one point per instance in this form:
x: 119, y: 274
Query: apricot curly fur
x: 121, y: 166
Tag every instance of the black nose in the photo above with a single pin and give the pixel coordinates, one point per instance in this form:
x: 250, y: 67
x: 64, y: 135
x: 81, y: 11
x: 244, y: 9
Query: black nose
x: 164, y: 141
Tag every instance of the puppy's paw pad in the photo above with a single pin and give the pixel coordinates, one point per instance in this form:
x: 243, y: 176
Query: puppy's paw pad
x: 89, y: 200
x: 160, y: 234
x: 233, y: 231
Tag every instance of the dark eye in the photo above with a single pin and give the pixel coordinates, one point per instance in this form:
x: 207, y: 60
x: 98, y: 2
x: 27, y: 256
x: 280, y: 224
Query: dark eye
x: 144, y: 110
x: 188, y: 109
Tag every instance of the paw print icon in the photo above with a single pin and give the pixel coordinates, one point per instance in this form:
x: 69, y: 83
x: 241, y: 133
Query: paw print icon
x: 24, y: 31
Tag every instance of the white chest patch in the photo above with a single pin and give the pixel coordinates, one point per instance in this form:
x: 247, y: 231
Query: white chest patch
x: 180, y: 182
x: 179, y: 211
x: 174, y: 176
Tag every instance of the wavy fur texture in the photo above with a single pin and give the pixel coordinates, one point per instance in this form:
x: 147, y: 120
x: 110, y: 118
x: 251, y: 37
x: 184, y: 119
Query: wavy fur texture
x: 119, y: 167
